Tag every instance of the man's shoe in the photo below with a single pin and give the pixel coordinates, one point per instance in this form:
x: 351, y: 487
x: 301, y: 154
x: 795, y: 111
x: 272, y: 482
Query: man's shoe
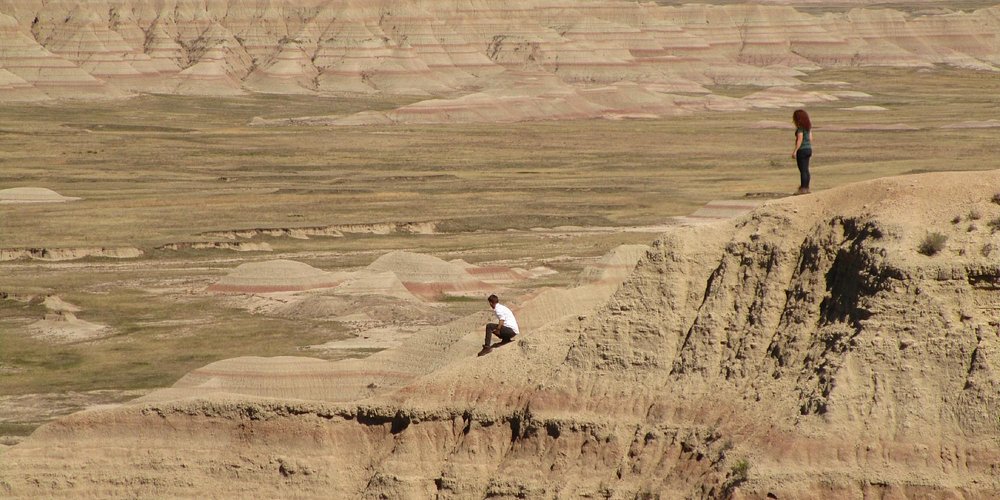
x: 486, y: 350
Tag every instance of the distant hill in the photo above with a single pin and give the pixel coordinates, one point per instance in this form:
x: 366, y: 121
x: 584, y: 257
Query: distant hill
x: 444, y: 48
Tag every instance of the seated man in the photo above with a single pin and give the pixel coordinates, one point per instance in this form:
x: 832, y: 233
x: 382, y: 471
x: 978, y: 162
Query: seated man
x: 505, y: 328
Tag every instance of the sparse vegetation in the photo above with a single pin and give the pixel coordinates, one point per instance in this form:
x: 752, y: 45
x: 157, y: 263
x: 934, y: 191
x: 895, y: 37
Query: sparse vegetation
x: 987, y: 250
x: 190, y: 163
x: 957, y: 219
x: 738, y: 475
x: 459, y: 299
x: 975, y: 214
x: 996, y: 199
x: 933, y: 243
x: 741, y: 469
x: 994, y: 225
x: 14, y: 429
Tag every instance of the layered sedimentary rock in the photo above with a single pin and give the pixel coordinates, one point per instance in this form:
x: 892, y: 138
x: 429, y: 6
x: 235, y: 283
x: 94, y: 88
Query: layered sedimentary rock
x: 428, y: 276
x: 57, y: 254
x: 87, y: 39
x: 32, y: 72
x: 94, y: 48
x: 17, y: 89
x: 817, y: 347
x: 275, y: 276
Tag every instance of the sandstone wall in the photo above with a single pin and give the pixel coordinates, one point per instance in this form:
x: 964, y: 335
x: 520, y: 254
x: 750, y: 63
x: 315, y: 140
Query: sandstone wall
x: 110, y: 48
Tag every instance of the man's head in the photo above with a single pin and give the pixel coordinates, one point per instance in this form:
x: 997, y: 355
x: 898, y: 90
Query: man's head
x: 493, y: 300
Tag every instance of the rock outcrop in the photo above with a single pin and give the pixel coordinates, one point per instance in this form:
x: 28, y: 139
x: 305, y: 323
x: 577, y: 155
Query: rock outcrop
x: 32, y: 195
x: 508, y: 60
x: 816, y: 347
x: 280, y: 275
x: 59, y: 254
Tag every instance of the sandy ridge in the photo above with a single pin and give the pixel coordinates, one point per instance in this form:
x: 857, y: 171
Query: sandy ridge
x: 808, y: 338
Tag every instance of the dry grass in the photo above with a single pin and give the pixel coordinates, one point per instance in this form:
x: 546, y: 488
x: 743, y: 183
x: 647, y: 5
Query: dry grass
x: 932, y: 244
x: 161, y: 169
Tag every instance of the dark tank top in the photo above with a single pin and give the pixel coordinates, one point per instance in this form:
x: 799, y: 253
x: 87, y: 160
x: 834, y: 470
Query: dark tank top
x: 806, y: 143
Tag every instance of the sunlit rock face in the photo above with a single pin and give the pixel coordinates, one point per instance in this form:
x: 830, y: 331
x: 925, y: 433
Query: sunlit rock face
x: 811, y: 348
x: 110, y: 48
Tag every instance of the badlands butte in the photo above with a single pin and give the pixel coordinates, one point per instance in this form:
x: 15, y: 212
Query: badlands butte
x: 484, y: 61
x: 244, y: 247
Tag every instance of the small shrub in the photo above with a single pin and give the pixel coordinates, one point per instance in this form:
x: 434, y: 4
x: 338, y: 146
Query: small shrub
x: 741, y: 469
x: 957, y: 219
x: 972, y: 227
x: 987, y: 250
x: 994, y: 225
x: 996, y: 199
x: 726, y: 446
x: 975, y: 214
x: 932, y: 244
x: 737, y: 476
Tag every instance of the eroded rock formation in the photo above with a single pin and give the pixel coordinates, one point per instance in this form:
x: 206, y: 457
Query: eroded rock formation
x: 91, y: 48
x: 807, y: 349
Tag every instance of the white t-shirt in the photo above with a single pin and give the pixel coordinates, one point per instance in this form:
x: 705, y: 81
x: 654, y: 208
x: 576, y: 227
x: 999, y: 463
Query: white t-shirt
x: 504, y: 314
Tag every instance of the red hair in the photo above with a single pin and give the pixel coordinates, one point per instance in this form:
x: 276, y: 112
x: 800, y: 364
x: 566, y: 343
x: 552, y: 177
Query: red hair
x: 801, y: 119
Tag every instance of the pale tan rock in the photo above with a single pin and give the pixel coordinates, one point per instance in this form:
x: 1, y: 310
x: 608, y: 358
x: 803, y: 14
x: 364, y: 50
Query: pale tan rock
x: 86, y: 39
x: 72, y: 253
x: 32, y: 195
x: 289, y: 72
x: 54, y: 303
x: 213, y: 74
x: 43, y: 70
x: 807, y: 343
x: 62, y: 326
x: 271, y: 276
x: 17, y: 89
x: 427, y: 276
x: 434, y: 48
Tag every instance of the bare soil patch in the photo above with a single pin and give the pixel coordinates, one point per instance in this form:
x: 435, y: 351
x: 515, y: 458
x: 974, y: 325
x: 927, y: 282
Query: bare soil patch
x: 551, y: 196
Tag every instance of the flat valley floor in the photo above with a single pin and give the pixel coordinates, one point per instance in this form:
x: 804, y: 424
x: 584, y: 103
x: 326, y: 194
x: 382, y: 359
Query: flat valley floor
x: 158, y: 173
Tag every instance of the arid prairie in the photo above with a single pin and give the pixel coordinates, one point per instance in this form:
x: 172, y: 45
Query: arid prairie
x: 225, y: 283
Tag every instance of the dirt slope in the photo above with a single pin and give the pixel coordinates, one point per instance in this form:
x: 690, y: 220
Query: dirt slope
x: 805, y: 350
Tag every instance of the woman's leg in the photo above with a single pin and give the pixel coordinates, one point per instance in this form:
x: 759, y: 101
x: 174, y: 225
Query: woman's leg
x: 802, y: 157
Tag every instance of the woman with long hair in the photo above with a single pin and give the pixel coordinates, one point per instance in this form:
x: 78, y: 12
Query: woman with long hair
x: 803, y: 147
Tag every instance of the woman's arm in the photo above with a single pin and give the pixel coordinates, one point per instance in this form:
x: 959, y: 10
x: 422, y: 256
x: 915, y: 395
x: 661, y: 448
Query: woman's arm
x: 798, y: 142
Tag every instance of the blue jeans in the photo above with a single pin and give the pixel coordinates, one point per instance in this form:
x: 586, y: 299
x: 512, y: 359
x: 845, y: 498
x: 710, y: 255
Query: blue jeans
x: 802, y: 160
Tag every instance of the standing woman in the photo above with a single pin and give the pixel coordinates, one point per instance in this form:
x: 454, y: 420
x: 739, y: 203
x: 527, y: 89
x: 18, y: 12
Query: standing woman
x: 803, y: 147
